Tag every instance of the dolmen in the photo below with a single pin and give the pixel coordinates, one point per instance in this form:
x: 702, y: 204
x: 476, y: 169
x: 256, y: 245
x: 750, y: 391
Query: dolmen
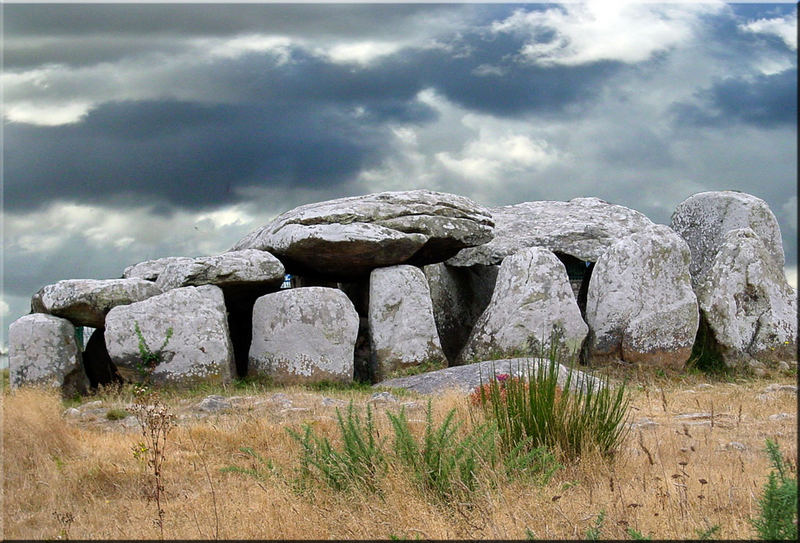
x: 377, y: 286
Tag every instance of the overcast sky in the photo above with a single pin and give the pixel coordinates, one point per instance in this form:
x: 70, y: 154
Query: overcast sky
x: 134, y: 132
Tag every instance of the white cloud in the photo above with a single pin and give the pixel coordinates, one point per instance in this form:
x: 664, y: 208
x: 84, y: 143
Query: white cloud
x: 581, y: 33
x: 489, y: 156
x: 783, y: 27
x: 4, y: 309
x: 278, y: 46
x: 360, y: 52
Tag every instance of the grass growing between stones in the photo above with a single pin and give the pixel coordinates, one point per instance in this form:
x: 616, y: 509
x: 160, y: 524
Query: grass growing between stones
x: 693, y: 463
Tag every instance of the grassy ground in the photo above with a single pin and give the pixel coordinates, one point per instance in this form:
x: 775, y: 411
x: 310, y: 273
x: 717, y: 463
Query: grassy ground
x: 675, y: 476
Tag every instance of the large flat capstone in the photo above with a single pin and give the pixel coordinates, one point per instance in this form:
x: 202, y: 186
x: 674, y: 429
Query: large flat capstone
x: 349, y: 237
x: 85, y: 302
x: 582, y: 227
x: 244, y: 268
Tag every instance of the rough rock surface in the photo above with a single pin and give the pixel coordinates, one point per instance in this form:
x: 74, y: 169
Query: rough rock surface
x: 85, y: 302
x: 581, y: 227
x: 747, y: 303
x: 532, y: 300
x: 459, y: 296
x: 402, y: 328
x: 42, y: 351
x: 304, y: 335
x: 351, y: 236
x: 466, y: 378
x: 236, y: 268
x: 199, y: 349
x: 151, y: 269
x: 640, y: 305
x: 704, y: 218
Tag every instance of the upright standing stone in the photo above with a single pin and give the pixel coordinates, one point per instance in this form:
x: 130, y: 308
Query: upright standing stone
x: 532, y: 303
x: 640, y: 305
x: 186, y: 326
x: 747, y: 303
x: 459, y: 296
x: 402, y: 328
x: 705, y: 218
x: 42, y: 351
x: 304, y: 335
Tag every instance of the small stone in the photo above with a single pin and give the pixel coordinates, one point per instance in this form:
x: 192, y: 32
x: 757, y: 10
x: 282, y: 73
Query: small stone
x: 780, y: 416
x: 777, y: 387
x: 91, y: 405
x: 735, y: 446
x: 329, y: 402
x: 644, y: 422
x: 383, y: 397
x: 704, y: 386
x: 213, y: 404
x: 72, y: 413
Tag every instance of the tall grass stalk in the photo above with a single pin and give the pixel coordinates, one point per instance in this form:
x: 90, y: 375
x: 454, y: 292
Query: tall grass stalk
x: 360, y: 462
x: 443, y: 462
x: 586, y: 412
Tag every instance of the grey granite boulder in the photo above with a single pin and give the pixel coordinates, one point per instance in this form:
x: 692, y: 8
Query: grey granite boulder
x: 85, y: 302
x: 582, y: 227
x: 747, y: 303
x: 235, y: 268
x: 459, y: 296
x: 151, y: 269
x: 349, y: 237
x: 42, y: 351
x: 186, y: 326
x: 531, y: 304
x: 465, y: 379
x: 402, y: 328
x: 640, y: 305
x: 304, y: 335
x: 705, y: 218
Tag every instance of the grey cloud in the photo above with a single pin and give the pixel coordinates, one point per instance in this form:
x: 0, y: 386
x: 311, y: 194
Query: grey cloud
x: 762, y: 100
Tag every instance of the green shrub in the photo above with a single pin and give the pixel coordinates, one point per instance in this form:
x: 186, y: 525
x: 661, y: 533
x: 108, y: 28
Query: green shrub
x: 443, y: 463
x: 116, y: 414
x: 360, y: 461
x: 535, y: 408
x: 778, y: 503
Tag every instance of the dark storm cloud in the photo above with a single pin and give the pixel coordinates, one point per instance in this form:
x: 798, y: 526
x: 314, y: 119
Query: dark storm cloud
x: 762, y: 100
x: 78, y: 34
x: 188, y: 155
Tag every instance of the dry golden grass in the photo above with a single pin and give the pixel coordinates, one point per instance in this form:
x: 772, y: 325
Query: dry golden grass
x: 670, y: 480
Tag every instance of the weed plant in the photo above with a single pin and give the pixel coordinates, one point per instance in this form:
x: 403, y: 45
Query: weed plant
x: 778, y: 502
x: 442, y: 462
x: 359, y: 463
x: 536, y: 410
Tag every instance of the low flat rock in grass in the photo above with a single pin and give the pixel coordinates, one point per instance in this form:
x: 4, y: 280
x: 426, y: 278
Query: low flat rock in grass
x: 581, y: 227
x: 466, y: 378
x: 85, y: 302
x: 705, y: 218
x: 350, y: 236
x: 235, y: 268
